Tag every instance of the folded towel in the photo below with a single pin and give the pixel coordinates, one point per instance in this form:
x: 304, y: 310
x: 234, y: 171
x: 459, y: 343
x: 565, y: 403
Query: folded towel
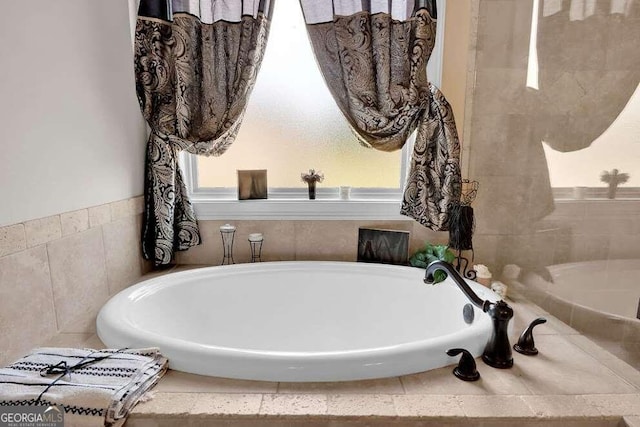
x: 95, y: 387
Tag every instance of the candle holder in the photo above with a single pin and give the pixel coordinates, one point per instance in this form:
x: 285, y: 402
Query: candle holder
x: 227, y: 232
x: 255, y: 241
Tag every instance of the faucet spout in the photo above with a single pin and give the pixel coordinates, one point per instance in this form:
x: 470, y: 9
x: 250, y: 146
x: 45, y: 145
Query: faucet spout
x: 453, y: 274
x: 497, y: 352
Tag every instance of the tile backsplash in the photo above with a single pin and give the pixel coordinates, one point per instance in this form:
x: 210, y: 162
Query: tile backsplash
x: 56, y: 272
x: 291, y: 240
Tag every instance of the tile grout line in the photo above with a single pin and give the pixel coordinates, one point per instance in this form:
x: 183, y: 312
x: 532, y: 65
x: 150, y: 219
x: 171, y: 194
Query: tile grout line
x: 53, y: 296
x: 104, y: 259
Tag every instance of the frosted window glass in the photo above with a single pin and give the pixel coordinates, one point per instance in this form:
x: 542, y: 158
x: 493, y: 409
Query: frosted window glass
x: 292, y: 123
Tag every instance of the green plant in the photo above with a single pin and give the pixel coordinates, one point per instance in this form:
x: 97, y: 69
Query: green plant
x: 431, y: 253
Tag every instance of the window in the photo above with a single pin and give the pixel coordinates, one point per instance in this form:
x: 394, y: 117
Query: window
x: 292, y: 124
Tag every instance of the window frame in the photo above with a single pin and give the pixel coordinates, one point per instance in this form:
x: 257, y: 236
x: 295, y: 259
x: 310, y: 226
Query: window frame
x: 214, y: 203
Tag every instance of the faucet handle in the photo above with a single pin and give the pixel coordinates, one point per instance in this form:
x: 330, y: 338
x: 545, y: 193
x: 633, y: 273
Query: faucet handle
x: 525, y: 344
x: 466, y: 369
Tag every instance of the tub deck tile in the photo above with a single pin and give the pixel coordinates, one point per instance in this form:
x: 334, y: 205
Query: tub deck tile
x: 361, y: 405
x: 433, y: 406
x: 227, y: 404
x: 615, y: 404
x: 377, y: 386
x: 294, y: 404
x: 553, y: 406
x: 168, y: 404
x: 495, y: 406
x: 441, y: 381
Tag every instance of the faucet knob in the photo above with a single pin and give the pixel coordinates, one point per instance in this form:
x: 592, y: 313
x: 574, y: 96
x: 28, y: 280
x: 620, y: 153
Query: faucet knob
x: 466, y: 369
x: 525, y: 344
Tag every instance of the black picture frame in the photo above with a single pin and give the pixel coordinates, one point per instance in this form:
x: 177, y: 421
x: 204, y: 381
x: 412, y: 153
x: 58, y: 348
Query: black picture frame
x: 383, y: 246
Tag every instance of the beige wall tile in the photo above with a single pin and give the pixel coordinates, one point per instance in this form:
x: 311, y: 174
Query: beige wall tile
x: 421, y: 235
x: 123, y: 253
x: 326, y: 240
x: 79, y: 279
x: 27, y: 313
x: 278, y: 245
x: 286, y: 240
x: 43, y: 230
x: 146, y: 266
x: 209, y: 252
x: 99, y: 215
x: 122, y: 209
x: 137, y: 205
x: 68, y: 340
x: 74, y: 222
x: 12, y: 239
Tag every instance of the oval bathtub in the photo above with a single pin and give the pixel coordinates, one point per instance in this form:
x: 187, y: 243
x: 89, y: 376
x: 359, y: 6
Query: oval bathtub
x: 296, y: 321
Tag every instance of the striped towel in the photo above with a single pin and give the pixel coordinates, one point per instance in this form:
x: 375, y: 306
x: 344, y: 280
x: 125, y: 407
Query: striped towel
x: 95, y: 387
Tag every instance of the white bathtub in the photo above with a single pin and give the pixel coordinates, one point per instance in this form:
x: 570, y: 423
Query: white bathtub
x: 296, y: 321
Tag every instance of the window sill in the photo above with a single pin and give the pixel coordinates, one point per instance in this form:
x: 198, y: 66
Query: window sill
x: 298, y: 209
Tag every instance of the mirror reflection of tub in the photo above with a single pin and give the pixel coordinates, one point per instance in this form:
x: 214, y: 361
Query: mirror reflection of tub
x: 598, y: 298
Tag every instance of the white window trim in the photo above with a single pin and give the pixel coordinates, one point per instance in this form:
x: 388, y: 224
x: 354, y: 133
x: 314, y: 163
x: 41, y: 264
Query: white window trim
x: 292, y: 203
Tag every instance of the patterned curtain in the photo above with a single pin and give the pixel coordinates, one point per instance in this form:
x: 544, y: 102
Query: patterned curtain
x: 373, y: 56
x: 196, y: 62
